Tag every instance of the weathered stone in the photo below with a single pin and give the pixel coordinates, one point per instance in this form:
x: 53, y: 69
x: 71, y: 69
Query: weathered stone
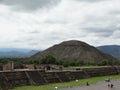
x: 11, y: 79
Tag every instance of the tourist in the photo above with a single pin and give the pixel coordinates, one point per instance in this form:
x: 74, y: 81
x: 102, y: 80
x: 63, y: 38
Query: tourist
x: 108, y: 80
x: 87, y: 84
x: 111, y: 85
x: 108, y: 85
x: 56, y: 88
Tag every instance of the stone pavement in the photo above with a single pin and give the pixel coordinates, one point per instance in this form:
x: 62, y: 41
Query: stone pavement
x: 98, y: 86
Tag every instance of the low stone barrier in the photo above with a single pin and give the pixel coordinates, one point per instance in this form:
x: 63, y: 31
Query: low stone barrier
x: 36, y: 77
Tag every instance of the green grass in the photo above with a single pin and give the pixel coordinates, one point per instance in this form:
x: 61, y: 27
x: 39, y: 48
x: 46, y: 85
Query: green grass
x: 67, y: 84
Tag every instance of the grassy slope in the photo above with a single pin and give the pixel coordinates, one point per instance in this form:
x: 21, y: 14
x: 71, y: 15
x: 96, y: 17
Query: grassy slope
x: 67, y: 84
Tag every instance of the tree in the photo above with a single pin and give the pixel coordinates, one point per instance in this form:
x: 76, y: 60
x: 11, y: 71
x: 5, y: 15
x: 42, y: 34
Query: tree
x: 48, y: 60
x: 103, y: 63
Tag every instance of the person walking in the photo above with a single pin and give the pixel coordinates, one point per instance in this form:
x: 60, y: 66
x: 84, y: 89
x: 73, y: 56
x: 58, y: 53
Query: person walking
x: 111, y: 85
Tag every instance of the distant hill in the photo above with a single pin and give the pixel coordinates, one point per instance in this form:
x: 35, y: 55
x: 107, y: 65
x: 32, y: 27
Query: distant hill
x: 74, y: 50
x: 16, y: 52
x: 113, y: 50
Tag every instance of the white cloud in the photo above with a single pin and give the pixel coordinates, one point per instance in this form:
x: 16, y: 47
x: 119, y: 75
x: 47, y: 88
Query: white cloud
x: 95, y: 23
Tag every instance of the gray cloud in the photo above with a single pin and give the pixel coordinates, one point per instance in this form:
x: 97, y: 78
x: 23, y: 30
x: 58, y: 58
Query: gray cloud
x: 34, y: 32
x: 91, y: 1
x: 115, y: 12
x: 30, y: 4
x: 55, y: 22
x: 101, y: 31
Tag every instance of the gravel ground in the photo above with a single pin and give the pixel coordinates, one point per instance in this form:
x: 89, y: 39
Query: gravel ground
x: 98, y: 86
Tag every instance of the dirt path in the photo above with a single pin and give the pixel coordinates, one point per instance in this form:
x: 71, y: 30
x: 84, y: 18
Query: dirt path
x: 98, y: 86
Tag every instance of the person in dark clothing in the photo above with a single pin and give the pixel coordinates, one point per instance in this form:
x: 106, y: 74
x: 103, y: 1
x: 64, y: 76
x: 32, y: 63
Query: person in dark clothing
x: 87, y: 84
x: 111, y: 85
x: 108, y: 85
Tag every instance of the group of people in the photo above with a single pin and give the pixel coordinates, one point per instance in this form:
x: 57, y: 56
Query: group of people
x: 109, y: 83
x: 107, y: 80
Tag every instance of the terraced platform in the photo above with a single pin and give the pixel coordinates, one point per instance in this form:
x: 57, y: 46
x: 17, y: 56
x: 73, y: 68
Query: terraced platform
x: 37, y: 77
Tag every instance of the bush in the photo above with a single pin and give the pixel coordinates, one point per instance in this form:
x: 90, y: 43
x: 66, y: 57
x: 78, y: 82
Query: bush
x: 48, y: 60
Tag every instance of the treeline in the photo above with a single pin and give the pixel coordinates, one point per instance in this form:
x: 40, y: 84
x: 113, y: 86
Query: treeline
x: 6, y: 60
x: 52, y: 60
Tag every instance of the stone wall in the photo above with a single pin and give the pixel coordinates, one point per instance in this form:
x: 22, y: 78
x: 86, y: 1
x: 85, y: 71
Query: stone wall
x: 36, y: 77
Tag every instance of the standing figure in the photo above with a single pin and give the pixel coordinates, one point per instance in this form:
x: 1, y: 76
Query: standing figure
x: 111, y: 85
x: 87, y: 84
x: 108, y: 85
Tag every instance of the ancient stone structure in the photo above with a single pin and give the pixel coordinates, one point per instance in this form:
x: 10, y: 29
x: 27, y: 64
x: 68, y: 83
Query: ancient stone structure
x: 9, y: 66
x: 48, y: 67
x: 11, y: 79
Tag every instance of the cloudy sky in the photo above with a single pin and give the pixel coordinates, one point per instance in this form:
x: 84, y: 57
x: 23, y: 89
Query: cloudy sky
x: 39, y: 24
